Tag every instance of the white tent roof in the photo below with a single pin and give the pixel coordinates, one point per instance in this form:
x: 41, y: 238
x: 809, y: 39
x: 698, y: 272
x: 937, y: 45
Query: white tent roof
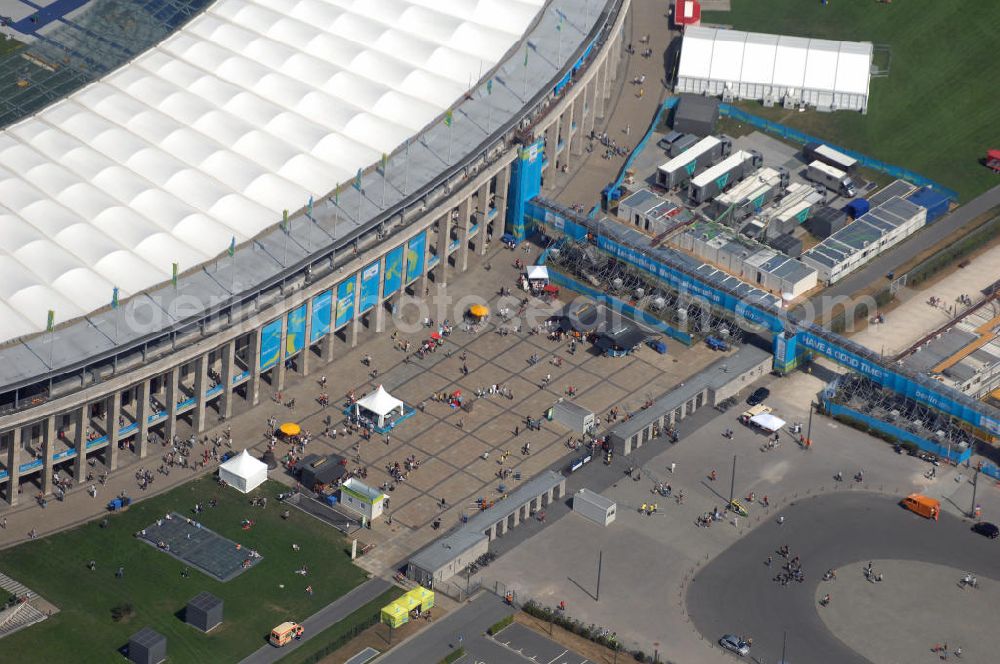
x: 768, y: 421
x: 380, y: 402
x: 244, y: 465
x: 249, y: 109
x: 538, y: 272
x: 733, y: 56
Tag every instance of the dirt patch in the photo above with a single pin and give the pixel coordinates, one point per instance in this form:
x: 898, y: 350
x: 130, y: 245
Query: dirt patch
x: 575, y: 642
x: 377, y: 637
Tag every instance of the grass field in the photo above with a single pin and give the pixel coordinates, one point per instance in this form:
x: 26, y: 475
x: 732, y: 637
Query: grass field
x: 83, y: 631
x: 936, y: 113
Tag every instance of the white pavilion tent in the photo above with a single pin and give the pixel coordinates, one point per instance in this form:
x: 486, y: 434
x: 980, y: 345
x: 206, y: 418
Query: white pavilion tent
x: 243, y: 472
x: 767, y: 422
x: 775, y: 69
x: 378, y: 405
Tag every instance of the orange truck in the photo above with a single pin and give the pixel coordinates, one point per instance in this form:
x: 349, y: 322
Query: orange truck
x: 926, y: 507
x: 285, y: 633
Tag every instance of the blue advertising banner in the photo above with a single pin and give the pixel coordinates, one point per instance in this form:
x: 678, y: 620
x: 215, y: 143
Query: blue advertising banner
x: 393, y: 271
x: 295, y: 336
x: 270, y: 344
x: 415, y: 250
x: 345, y: 301
x: 369, y: 287
x: 322, y: 311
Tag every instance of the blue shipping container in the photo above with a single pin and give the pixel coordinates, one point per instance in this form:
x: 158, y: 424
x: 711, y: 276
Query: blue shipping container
x: 932, y: 200
x: 857, y: 207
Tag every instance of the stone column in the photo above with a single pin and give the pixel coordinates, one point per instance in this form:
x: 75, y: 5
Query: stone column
x: 253, y: 363
x: 551, y: 153
x: 279, y: 368
x: 304, y: 361
x: 591, y: 121
x: 444, y: 239
x: 379, y: 312
x: 48, y: 449
x: 356, y: 322
x: 228, y: 373
x: 13, y: 466
x: 172, y: 392
x: 503, y: 183
x: 80, y: 441
x: 464, y: 221
x: 112, y: 411
x: 200, y: 387
x: 142, y: 417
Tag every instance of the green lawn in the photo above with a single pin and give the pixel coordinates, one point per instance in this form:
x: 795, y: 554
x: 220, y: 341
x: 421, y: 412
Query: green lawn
x: 936, y: 113
x: 83, y: 631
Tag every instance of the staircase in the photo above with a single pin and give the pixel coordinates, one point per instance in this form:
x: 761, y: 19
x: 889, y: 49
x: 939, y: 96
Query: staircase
x: 15, y: 588
x: 19, y: 617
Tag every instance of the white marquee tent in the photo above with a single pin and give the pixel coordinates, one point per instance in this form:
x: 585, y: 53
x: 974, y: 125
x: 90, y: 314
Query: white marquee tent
x: 830, y: 75
x: 243, y: 472
x: 250, y: 108
x: 378, y: 404
x: 767, y: 422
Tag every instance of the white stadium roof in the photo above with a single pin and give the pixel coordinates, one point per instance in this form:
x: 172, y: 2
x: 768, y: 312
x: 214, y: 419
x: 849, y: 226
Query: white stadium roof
x: 752, y: 65
x: 249, y: 109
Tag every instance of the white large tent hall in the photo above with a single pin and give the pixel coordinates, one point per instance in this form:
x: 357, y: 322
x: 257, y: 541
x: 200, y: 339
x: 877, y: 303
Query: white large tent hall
x: 776, y: 69
x: 249, y: 109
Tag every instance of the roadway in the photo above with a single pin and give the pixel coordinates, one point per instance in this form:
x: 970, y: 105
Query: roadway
x: 735, y: 593
x: 324, y: 618
x: 877, y: 269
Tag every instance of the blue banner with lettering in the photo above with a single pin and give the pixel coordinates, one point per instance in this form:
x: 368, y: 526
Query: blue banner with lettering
x: 369, y: 287
x: 295, y: 336
x: 322, y: 310
x: 270, y: 344
x: 393, y: 278
x: 415, y: 250
x: 345, y: 301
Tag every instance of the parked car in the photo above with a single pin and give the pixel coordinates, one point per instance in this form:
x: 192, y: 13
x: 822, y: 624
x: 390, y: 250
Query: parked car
x: 735, y: 644
x: 986, y: 529
x: 716, y: 343
x: 758, y: 396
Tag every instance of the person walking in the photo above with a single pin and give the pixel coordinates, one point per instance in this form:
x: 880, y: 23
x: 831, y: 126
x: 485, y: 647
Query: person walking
x: 672, y: 466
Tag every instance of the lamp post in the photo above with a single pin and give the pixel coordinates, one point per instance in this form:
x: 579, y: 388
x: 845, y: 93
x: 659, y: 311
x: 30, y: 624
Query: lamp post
x: 809, y: 425
x: 732, y: 484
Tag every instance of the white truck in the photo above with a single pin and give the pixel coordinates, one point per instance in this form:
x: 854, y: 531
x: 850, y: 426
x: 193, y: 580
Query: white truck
x: 832, y: 178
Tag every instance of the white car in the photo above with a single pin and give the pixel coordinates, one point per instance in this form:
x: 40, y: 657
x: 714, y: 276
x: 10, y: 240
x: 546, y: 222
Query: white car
x: 735, y: 644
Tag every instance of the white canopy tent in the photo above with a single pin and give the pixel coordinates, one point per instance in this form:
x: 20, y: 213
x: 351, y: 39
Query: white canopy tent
x: 778, y: 69
x: 243, y: 472
x: 538, y: 273
x: 378, y: 404
x: 767, y: 422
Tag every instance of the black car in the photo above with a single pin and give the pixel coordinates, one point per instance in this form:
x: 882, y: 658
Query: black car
x: 758, y: 396
x: 986, y: 529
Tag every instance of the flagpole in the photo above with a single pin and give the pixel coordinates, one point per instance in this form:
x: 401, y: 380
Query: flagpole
x: 406, y: 169
x: 449, y: 143
x: 524, y: 92
x: 385, y: 176
x: 232, y: 278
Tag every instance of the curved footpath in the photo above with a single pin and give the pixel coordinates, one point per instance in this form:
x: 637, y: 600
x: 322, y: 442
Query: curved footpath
x: 735, y: 592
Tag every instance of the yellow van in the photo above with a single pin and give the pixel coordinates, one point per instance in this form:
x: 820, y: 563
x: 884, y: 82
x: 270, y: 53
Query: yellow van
x: 284, y: 633
x: 929, y: 508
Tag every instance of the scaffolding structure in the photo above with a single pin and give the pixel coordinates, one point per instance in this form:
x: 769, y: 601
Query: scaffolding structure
x: 683, y: 311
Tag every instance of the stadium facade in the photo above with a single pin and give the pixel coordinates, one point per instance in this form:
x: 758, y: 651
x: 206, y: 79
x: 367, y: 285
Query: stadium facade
x: 180, y: 357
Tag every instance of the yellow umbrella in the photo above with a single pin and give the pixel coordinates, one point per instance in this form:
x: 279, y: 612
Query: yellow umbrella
x: 479, y: 311
x: 290, y: 429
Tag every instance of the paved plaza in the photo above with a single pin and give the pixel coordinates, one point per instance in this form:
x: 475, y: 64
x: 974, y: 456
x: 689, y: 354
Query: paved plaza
x: 648, y: 561
x: 450, y: 443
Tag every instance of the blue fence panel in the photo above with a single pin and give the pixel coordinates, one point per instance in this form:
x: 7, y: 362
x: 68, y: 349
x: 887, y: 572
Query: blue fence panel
x: 956, y: 456
x: 801, y: 137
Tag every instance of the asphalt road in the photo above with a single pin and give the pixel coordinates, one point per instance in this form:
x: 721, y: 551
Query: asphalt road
x: 735, y: 592
x: 926, y: 238
x: 464, y: 626
x: 322, y: 619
